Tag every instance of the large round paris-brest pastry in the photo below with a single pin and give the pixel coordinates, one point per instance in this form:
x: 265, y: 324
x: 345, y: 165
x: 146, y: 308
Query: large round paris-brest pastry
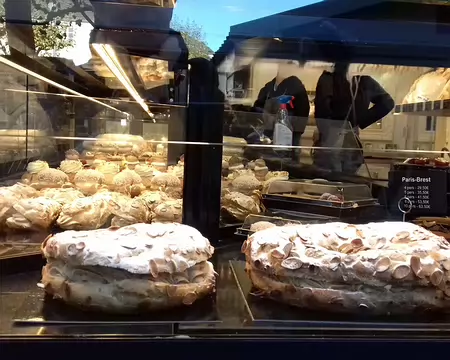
x: 380, y: 268
x: 134, y: 268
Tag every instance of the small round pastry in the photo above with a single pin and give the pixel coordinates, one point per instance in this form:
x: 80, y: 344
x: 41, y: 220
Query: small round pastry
x: 131, y: 162
x: 261, y: 170
x: 101, y: 156
x: 97, y: 163
x: 159, y: 162
x: 70, y: 168
x: 33, y: 168
x: 89, y: 181
x: 261, y: 225
x: 168, y: 183
x: 117, y: 159
x: 89, y: 157
x: 246, y: 184
x: 109, y: 170
x: 251, y: 165
x: 153, y: 198
x: 63, y: 196
x: 169, y: 211
x: 146, y: 173
x: 178, y: 171
x: 239, y: 206
x: 146, y: 157
x: 72, y: 154
x: 50, y: 178
x: 225, y: 165
x: 128, y: 182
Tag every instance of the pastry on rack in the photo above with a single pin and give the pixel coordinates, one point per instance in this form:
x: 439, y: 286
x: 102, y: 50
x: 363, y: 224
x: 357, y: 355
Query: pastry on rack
x: 168, y: 183
x: 109, y: 171
x: 381, y: 268
x: 131, y: 161
x: 261, y: 170
x: 246, y: 184
x: 34, y: 214
x: 129, y: 211
x: 72, y: 154
x: 96, y: 163
x: 136, y: 268
x: 159, y: 162
x: 146, y: 172
x: 169, y: 211
x: 89, y: 157
x: 145, y: 157
x: 71, y: 168
x: 119, y: 160
x: 154, y: 198
x: 128, y: 182
x: 261, y: 225
x: 239, y: 206
x: 63, y: 196
x: 33, y: 168
x: 273, y: 176
x: 89, y: 181
x: 87, y: 213
x: 9, y: 196
x: 50, y: 178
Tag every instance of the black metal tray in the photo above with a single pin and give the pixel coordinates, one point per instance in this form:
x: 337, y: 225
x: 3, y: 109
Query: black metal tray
x: 40, y: 309
x: 268, y: 313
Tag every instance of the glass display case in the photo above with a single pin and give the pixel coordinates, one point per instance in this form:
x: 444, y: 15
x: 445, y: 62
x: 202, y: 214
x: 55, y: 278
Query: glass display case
x: 292, y: 181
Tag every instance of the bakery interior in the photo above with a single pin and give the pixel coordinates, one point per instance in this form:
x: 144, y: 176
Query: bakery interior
x: 133, y: 201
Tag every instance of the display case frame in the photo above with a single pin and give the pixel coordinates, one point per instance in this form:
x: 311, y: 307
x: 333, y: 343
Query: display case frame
x: 204, y: 145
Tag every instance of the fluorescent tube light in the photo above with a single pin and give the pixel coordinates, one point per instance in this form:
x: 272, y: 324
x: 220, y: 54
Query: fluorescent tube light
x: 108, y: 55
x: 58, y: 85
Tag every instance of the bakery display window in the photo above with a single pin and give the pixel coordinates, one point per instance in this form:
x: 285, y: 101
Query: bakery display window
x: 296, y: 181
x: 93, y: 123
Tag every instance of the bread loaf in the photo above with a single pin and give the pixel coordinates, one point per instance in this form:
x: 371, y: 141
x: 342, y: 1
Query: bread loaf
x: 388, y: 267
x: 138, y: 267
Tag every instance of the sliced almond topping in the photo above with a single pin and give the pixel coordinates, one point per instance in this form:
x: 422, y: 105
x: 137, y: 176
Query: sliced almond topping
x: 401, y: 271
x: 189, y: 298
x: 416, y: 266
x: 292, y: 263
x: 154, y: 268
x: 436, y: 277
x: 383, y: 264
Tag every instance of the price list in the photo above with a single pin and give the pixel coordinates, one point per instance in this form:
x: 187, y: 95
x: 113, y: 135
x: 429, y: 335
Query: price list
x: 425, y: 189
x: 419, y: 196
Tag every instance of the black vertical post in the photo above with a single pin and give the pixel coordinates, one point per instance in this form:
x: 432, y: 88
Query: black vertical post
x: 203, y: 163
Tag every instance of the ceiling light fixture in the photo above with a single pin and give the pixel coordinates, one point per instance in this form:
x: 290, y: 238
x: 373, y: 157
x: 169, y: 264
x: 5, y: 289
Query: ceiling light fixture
x: 108, y: 55
x: 54, y: 83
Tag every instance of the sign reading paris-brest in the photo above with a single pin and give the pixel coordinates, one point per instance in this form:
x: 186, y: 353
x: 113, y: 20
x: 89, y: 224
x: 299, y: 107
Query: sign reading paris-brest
x: 425, y: 189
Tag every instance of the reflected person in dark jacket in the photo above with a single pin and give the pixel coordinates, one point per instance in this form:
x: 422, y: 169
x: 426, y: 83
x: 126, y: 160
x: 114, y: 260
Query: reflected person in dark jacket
x: 284, y: 83
x: 342, y: 108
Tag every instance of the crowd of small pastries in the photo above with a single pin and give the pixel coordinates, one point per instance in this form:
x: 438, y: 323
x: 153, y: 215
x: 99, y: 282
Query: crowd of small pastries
x: 87, y: 193
x: 242, y: 185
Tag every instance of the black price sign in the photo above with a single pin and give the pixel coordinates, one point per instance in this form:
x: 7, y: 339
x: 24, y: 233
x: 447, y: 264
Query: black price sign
x: 423, y: 192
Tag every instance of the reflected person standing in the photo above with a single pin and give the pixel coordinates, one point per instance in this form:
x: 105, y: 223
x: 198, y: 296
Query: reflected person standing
x: 284, y: 83
x: 343, y: 106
